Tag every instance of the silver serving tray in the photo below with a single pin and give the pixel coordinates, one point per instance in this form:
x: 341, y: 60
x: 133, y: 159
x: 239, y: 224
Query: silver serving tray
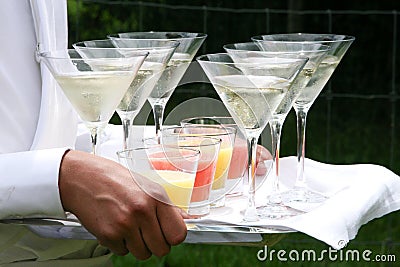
x: 71, y: 228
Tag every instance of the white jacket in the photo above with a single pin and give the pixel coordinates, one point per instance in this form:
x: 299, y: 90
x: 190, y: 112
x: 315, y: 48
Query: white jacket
x: 37, y: 126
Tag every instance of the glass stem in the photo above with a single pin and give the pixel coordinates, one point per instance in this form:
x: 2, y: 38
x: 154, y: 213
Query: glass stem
x: 276, y: 129
x: 127, y: 118
x: 158, y: 111
x: 301, y: 115
x: 250, y: 214
x: 126, y: 126
x: 94, y: 134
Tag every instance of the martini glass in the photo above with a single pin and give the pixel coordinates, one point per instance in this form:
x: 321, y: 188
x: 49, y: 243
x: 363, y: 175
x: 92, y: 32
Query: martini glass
x: 94, y: 86
x: 274, y: 208
x: 338, y: 45
x: 160, y: 52
x: 251, y: 92
x: 189, y: 43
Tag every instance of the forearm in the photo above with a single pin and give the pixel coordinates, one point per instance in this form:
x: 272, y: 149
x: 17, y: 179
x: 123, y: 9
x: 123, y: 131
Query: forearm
x: 29, y: 184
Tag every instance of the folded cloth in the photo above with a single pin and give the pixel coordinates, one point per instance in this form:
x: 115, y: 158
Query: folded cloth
x: 356, y: 195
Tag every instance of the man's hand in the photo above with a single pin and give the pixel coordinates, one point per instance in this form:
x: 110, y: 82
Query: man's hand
x: 262, y: 155
x: 107, y: 201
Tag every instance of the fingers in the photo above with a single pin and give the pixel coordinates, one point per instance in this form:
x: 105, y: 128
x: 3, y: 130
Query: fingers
x: 262, y: 155
x: 184, y: 214
x: 117, y: 247
x: 261, y: 169
x: 172, y: 224
x: 154, y: 238
x: 136, y: 245
x: 156, y: 235
x: 120, y: 250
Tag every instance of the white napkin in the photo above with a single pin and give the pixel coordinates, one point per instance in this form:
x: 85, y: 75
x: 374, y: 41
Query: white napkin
x: 357, y: 194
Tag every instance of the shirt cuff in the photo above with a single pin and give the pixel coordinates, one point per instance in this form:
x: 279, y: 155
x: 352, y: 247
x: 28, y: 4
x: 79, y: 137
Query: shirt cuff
x: 29, y: 184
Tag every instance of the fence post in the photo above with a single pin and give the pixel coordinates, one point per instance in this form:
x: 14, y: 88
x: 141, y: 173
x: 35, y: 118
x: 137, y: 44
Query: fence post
x: 78, y: 3
x: 205, y: 26
x: 393, y: 93
x: 267, y: 18
x: 140, y: 3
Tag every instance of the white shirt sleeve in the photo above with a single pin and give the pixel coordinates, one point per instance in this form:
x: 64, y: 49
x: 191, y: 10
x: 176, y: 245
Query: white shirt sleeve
x: 29, y: 184
x: 36, y: 130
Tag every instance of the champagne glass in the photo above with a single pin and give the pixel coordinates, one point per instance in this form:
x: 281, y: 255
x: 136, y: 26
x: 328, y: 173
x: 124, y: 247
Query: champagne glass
x: 166, y: 173
x: 251, y: 92
x: 274, y: 208
x: 94, y: 85
x: 189, y: 43
x: 338, y: 45
x: 160, y: 52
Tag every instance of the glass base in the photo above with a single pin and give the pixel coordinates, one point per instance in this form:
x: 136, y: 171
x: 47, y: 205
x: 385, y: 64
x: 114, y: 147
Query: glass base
x: 250, y: 215
x: 197, y: 210
x: 302, y: 195
x: 276, y: 211
x: 218, y: 203
x: 234, y: 187
x: 217, y: 198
